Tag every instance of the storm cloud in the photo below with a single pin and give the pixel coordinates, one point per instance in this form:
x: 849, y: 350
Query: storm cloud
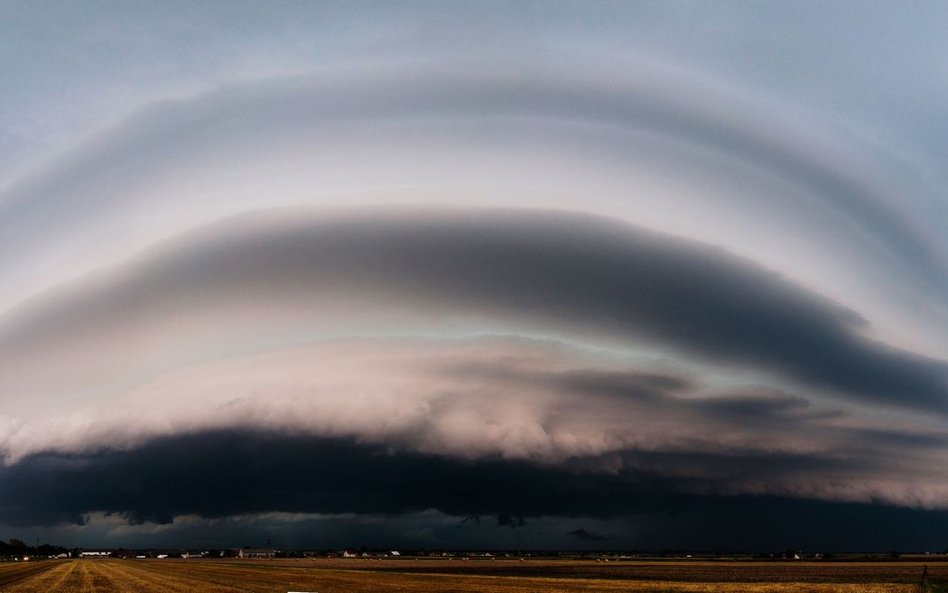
x: 571, y: 272
x: 534, y: 404
x: 240, y: 473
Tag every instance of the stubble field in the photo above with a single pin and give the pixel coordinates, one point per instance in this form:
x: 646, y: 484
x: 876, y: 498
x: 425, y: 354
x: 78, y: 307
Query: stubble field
x: 502, y: 576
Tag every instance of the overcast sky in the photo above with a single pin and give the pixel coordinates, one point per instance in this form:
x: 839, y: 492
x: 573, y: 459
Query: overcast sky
x: 474, y: 274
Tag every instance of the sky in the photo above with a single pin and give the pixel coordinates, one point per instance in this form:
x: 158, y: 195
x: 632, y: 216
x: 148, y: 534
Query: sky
x: 571, y: 275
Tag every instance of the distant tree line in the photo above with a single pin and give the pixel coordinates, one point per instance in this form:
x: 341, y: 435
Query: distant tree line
x: 18, y: 548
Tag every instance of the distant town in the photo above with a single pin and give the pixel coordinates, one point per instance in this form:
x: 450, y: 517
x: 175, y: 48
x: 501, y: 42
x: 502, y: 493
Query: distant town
x: 15, y: 550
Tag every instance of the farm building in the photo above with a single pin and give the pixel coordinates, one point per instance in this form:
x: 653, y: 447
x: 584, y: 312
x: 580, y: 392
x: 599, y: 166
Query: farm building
x: 256, y: 553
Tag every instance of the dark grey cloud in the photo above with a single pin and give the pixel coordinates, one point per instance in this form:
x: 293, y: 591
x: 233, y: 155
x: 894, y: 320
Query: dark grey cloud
x: 576, y: 273
x: 228, y: 473
x: 589, y: 536
x: 223, y: 473
x: 489, y: 399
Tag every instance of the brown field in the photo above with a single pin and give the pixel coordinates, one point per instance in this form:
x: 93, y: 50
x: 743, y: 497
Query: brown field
x: 457, y: 576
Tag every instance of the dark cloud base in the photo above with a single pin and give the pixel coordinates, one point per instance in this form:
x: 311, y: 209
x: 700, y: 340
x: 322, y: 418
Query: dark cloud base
x: 226, y: 473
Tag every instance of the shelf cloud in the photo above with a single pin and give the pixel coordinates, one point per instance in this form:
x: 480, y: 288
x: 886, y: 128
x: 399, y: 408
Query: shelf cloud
x: 584, y: 277
x: 539, y: 270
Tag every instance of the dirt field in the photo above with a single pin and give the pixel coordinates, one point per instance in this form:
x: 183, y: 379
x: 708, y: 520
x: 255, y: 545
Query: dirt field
x: 456, y: 576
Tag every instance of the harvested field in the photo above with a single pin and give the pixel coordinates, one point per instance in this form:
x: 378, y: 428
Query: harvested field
x: 502, y: 576
x: 686, y: 571
x: 11, y: 572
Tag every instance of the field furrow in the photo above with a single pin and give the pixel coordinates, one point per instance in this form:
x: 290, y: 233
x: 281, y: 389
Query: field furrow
x: 11, y: 572
x: 62, y: 578
x: 426, y: 576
